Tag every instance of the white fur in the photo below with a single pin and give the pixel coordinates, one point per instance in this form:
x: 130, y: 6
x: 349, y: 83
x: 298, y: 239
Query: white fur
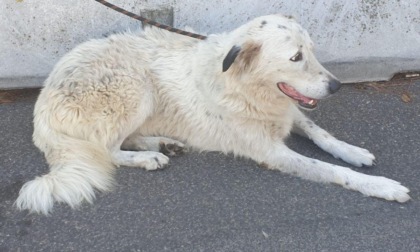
x: 109, y: 102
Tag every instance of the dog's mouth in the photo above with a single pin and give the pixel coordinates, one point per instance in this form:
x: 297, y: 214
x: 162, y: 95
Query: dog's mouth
x: 303, y: 101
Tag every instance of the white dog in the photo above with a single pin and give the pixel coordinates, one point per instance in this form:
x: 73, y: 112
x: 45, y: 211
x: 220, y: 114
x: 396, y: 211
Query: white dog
x: 114, y: 101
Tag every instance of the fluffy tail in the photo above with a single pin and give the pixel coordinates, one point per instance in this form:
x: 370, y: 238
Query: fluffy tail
x: 77, y: 168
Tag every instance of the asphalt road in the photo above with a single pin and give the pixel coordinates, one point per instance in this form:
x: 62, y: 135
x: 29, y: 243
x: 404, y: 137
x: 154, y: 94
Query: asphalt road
x: 212, y: 202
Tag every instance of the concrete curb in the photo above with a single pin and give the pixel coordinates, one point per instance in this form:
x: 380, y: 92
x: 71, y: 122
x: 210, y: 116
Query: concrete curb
x: 371, y: 69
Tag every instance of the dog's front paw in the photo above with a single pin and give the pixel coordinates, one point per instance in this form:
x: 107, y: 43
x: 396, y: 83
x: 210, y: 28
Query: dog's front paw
x: 380, y: 187
x: 354, y: 155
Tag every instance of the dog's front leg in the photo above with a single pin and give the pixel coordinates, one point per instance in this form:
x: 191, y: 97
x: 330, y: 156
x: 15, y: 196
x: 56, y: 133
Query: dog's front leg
x: 349, y: 153
x: 280, y: 157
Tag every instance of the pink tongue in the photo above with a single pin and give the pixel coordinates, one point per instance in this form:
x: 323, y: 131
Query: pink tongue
x: 305, y: 99
x: 293, y: 93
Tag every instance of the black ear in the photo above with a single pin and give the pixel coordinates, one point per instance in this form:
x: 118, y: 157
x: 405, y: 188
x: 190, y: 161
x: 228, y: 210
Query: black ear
x: 230, y: 57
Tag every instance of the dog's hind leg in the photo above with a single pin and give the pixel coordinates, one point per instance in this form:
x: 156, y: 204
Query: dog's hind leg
x: 139, y: 151
x: 279, y: 157
x: 164, y: 145
x: 135, y: 151
x: 349, y: 153
x: 81, y: 133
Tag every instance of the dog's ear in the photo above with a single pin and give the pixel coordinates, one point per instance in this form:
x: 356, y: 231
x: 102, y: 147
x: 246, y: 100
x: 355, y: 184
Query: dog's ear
x: 244, y: 55
x: 230, y: 57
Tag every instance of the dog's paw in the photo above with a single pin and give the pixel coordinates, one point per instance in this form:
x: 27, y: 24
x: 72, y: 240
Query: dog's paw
x: 157, y: 161
x: 354, y: 155
x: 171, y: 147
x: 380, y: 187
x: 150, y: 160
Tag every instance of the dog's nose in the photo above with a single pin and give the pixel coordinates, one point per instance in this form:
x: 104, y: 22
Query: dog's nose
x: 334, y: 85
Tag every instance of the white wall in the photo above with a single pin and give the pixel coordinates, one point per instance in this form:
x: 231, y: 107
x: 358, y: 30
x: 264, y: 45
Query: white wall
x: 357, y: 39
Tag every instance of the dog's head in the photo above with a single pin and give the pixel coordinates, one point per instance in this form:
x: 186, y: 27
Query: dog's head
x: 277, y: 51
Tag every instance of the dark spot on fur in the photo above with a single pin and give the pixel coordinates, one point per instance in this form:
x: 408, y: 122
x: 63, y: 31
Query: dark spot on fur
x: 208, y: 113
x: 347, y: 183
x: 290, y: 17
x: 288, y: 38
x: 320, y: 73
x: 281, y: 27
x: 264, y: 165
x: 313, y: 161
x: 263, y: 23
x: 220, y: 117
x: 300, y: 46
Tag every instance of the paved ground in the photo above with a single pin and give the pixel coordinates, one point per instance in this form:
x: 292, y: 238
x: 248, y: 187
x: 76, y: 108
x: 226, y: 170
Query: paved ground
x: 211, y: 202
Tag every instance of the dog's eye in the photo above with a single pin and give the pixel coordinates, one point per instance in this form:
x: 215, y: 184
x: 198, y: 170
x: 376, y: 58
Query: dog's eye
x: 297, y: 57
